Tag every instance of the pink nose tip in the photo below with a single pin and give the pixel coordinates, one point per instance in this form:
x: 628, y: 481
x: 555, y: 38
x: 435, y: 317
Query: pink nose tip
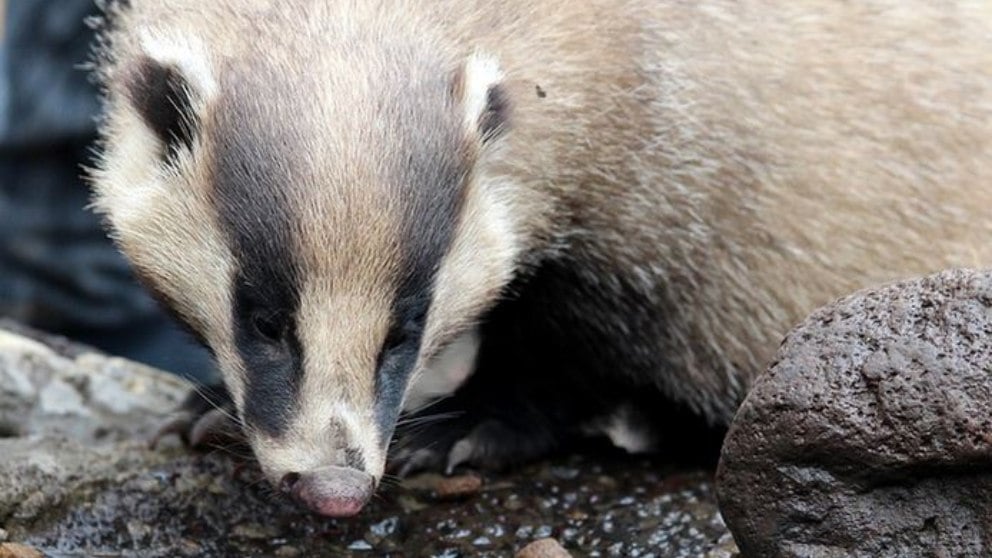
x: 331, y: 491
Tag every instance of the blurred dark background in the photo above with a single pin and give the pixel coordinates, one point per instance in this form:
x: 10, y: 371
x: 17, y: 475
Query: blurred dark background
x: 58, y: 270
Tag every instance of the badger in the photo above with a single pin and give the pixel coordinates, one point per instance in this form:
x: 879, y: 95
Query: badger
x: 519, y: 224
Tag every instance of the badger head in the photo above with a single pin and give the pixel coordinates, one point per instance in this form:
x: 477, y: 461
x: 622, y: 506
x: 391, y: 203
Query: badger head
x: 320, y: 218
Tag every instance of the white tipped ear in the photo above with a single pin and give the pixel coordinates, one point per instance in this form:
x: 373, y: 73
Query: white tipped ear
x: 484, y: 99
x: 169, y: 84
x: 186, y: 54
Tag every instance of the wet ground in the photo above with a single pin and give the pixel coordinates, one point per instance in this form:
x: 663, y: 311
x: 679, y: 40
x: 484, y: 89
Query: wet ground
x: 206, y: 506
x: 77, y: 479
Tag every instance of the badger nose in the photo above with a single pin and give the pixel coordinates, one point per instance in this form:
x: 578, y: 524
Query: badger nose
x: 332, y: 491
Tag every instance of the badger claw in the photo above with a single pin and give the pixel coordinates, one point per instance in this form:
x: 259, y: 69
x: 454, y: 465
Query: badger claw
x: 210, y: 429
x: 203, y: 420
x: 461, y: 454
x: 179, y: 425
x: 489, y: 445
x: 214, y: 428
x: 416, y: 461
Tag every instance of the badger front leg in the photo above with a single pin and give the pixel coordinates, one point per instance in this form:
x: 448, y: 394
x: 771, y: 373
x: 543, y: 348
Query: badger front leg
x: 523, y: 401
x: 206, y: 418
x: 482, y: 425
x: 532, y: 389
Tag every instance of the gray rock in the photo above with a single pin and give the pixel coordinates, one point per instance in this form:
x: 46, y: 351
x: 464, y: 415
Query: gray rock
x: 60, y: 398
x: 871, y: 433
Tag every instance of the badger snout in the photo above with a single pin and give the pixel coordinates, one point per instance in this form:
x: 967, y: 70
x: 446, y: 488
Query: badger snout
x: 331, y: 491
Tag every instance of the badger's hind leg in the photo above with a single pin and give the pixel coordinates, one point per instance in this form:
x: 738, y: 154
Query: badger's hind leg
x: 205, y: 419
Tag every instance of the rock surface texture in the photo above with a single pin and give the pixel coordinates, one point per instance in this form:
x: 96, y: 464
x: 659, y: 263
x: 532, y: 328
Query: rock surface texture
x: 871, y: 433
x: 77, y: 478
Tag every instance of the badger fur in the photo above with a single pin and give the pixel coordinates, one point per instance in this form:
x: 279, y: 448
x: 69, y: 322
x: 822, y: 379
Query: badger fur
x: 539, y: 219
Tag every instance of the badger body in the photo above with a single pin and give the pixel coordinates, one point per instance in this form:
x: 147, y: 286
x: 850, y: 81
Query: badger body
x: 539, y: 219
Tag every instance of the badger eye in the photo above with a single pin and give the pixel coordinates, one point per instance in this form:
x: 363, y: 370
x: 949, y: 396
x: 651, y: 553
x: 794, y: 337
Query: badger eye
x: 403, y: 335
x: 270, y: 326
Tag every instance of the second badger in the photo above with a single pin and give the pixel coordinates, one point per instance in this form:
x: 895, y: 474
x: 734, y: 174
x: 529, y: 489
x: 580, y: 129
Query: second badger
x: 558, y: 216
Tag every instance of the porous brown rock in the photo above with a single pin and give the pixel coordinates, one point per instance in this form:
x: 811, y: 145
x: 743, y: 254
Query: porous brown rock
x: 14, y: 550
x: 871, y: 432
x: 458, y: 487
x: 544, y: 548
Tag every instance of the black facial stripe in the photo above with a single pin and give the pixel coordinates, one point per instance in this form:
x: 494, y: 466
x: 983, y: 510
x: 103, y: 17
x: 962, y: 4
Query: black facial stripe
x: 161, y: 96
x: 434, y: 173
x: 257, y: 220
x: 273, y: 370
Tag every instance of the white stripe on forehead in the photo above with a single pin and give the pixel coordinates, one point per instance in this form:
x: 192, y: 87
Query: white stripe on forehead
x: 342, y: 335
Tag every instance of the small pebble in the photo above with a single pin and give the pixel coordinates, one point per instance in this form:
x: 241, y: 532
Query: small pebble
x: 189, y: 547
x: 462, y: 486
x: 543, y: 532
x: 385, y: 527
x: 15, y: 550
x: 513, y: 503
x: 360, y: 544
x: 544, y: 548
x: 567, y: 473
x: 287, y: 552
x: 253, y: 531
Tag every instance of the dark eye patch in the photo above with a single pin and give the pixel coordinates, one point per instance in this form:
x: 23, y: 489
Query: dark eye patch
x: 408, y: 325
x: 268, y: 343
x: 272, y: 326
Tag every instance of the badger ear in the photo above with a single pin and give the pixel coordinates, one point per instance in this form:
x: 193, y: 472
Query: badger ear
x: 484, y: 97
x: 168, y: 84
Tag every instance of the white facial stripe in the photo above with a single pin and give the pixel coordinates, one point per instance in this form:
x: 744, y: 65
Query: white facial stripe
x: 166, y: 225
x: 127, y: 176
x: 480, y: 263
x: 342, y: 336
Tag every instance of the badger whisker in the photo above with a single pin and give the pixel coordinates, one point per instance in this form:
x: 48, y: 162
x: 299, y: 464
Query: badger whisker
x: 418, y: 420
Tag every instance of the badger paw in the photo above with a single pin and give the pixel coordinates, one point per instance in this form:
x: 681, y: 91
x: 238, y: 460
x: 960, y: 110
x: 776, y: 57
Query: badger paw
x: 205, y: 419
x: 490, y: 445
